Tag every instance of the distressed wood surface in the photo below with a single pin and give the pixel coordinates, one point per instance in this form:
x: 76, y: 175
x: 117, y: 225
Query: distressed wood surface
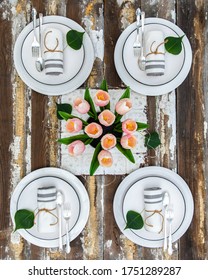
x: 29, y: 128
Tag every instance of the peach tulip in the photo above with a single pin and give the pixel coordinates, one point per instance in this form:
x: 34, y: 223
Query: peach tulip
x: 129, y: 126
x: 81, y: 105
x: 93, y: 130
x: 105, y: 158
x: 106, y: 118
x: 128, y: 141
x: 76, y: 148
x: 123, y: 106
x: 108, y: 141
x: 101, y: 98
x: 74, y: 125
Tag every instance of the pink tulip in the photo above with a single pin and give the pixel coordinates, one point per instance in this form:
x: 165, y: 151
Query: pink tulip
x: 108, y: 141
x: 128, y: 141
x: 105, y: 158
x: 93, y: 130
x: 123, y: 106
x: 101, y: 98
x: 76, y: 148
x: 74, y: 125
x: 106, y: 118
x: 81, y: 105
x: 129, y: 126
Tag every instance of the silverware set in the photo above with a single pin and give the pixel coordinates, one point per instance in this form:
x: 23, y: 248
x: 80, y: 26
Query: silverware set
x: 138, y: 45
x: 37, y: 41
x: 168, y: 218
x: 64, y: 210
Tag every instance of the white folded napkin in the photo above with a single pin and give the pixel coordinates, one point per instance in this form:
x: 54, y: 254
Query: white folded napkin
x: 153, y: 220
x: 53, y: 51
x: 47, y: 219
x: 155, y: 53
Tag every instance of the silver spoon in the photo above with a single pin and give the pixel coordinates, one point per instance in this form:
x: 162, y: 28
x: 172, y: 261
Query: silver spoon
x: 59, y: 202
x: 170, y: 216
x: 40, y: 61
x: 142, y: 59
x: 166, y: 201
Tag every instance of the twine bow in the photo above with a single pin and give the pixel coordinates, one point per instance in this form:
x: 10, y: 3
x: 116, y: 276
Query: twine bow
x: 48, y: 49
x: 49, y: 212
x: 153, y: 212
x: 156, y: 49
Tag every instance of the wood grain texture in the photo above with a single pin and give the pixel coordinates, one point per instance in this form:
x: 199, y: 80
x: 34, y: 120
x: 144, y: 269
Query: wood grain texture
x: 190, y: 124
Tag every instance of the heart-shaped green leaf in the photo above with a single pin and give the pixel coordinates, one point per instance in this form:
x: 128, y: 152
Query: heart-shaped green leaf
x: 69, y: 140
x: 64, y: 107
x: 95, y: 163
x: 152, y: 140
x: 74, y: 39
x: 126, y: 152
x: 134, y: 220
x: 24, y: 219
x: 173, y: 45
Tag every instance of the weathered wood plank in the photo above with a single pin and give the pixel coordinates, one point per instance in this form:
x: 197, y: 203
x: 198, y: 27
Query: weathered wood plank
x: 118, y: 15
x: 190, y: 126
x: 161, y: 117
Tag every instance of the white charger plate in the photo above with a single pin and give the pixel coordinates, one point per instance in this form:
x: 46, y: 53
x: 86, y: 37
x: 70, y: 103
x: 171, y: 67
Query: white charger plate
x: 25, y: 197
x: 129, y: 196
x: 177, y: 66
x: 77, y: 63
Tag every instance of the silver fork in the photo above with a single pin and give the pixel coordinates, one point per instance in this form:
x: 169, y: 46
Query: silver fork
x: 137, y: 44
x: 35, y: 43
x: 67, y: 216
x: 170, y: 216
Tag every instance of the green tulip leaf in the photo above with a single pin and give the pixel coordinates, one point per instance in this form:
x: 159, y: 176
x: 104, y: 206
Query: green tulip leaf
x: 126, y: 152
x: 92, y: 112
x: 64, y: 107
x: 68, y: 140
x: 95, y: 163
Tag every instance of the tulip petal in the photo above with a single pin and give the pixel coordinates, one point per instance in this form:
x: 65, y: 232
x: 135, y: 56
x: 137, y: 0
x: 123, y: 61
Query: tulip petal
x: 128, y: 141
x: 101, y: 98
x: 105, y: 158
x: 106, y: 117
x: 81, y: 105
x: 76, y: 148
x: 123, y: 106
x: 108, y: 141
x: 73, y: 125
x: 94, y: 130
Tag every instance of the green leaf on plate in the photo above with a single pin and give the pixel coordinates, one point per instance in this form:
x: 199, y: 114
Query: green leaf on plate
x: 68, y: 140
x: 141, y: 126
x: 134, y: 220
x: 126, y: 152
x: 95, y: 163
x: 24, y: 219
x: 88, y: 98
x: 64, y: 107
x: 74, y: 39
x: 173, y: 45
x: 67, y: 116
x: 152, y: 140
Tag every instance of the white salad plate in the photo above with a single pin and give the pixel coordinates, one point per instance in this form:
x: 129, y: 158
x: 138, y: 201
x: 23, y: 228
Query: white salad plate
x: 77, y: 63
x: 129, y: 196
x: 176, y: 66
x: 25, y: 197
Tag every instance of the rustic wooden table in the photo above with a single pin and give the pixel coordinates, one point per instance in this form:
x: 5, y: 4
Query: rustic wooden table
x: 29, y: 127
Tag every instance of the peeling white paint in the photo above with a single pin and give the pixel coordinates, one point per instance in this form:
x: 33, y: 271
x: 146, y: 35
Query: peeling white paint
x: 97, y: 38
x: 205, y: 129
x: 108, y: 243
x: 15, y: 238
x: 173, y: 15
x: 120, y: 2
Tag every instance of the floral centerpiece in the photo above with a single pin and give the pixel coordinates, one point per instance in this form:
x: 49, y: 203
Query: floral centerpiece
x: 104, y: 129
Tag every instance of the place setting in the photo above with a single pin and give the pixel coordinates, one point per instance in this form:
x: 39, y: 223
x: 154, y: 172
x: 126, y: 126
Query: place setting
x: 49, y: 208
x: 152, y: 55
x: 53, y: 54
x: 153, y: 207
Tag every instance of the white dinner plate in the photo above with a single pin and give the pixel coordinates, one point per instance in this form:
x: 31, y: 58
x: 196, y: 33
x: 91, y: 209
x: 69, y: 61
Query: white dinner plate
x: 129, y: 196
x: 77, y: 63
x: 176, y: 66
x: 25, y: 197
